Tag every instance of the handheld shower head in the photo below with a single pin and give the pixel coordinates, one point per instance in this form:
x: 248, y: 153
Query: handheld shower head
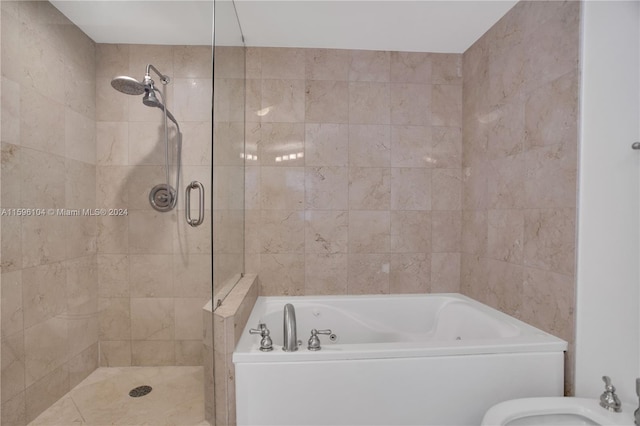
x: 128, y: 85
x: 151, y: 100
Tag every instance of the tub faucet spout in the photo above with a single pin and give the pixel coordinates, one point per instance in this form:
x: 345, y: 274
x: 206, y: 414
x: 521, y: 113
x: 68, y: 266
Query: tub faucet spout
x: 290, y: 335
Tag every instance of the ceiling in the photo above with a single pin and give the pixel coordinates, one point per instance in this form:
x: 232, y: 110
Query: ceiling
x: 418, y: 25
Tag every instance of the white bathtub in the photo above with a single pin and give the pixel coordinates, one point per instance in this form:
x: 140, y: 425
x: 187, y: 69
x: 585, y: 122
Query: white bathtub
x: 435, y: 359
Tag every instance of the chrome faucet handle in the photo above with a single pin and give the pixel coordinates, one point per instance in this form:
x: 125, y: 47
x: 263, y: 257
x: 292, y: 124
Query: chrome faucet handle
x: 609, y: 400
x: 266, y: 344
x: 314, y: 340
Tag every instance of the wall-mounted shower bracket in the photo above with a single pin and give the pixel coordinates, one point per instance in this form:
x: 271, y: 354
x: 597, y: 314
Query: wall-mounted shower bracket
x: 162, y: 197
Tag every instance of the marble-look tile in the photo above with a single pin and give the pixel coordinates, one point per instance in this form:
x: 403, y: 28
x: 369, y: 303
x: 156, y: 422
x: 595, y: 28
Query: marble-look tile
x: 45, y: 348
x: 62, y: 410
x: 229, y: 61
x: 150, y: 275
x: 189, y: 352
x: 113, y: 235
x: 410, y: 273
x: 327, y: 64
x: 43, y: 179
x: 191, y: 102
x: 115, y: 319
x: 475, y: 187
x: 369, y: 103
x: 282, y: 231
x: 43, y: 293
x: 368, y: 273
x: 412, y: 104
x: 446, y: 189
x: 112, y: 60
x: 445, y: 272
x: 411, y: 146
x: 325, y: 273
x: 113, y: 275
x: 411, y: 189
x: 188, y: 318
x: 326, y: 188
x: 446, y: 105
x: 152, y: 319
x: 115, y: 353
x: 281, y: 144
x: 551, y: 110
x: 548, y: 302
x: 113, y: 186
x: 283, y: 101
x: 326, y: 102
x: 369, y: 65
x: 506, y: 181
x: 505, y: 127
x: 551, y: 176
x: 369, y: 146
x: 80, y: 184
x: 82, y: 285
x: 13, y: 366
x: 10, y: 110
x: 80, y: 89
x: 326, y: 232
x: 474, y: 231
x: 82, y: 365
x: 446, y: 149
x: 505, y: 281
x: 410, y: 231
x: 287, y: 63
x: 282, y: 188
x: 152, y: 352
x: 228, y: 152
x: 192, y: 275
x: 43, y: 393
x: 446, y: 68
x: 446, y: 231
x: 11, y: 174
x: 411, y: 67
x: 549, y: 240
x: 282, y: 274
x: 505, y: 230
x: 111, y: 105
x: 369, y: 188
x: 11, y: 242
x: 150, y: 231
x: 148, y: 146
x: 80, y: 136
x: 369, y: 231
x: 473, y: 276
x: 196, y: 62
x: 326, y: 144
x: 228, y: 105
x: 43, y: 67
x: 13, y: 411
x: 12, y: 304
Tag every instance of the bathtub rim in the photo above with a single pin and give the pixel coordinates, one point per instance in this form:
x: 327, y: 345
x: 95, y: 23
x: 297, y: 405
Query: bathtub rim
x: 531, y: 339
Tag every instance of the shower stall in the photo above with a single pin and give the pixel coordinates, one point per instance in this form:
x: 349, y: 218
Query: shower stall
x: 120, y: 214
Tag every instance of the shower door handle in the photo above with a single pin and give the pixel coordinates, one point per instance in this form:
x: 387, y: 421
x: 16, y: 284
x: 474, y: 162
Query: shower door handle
x: 187, y: 204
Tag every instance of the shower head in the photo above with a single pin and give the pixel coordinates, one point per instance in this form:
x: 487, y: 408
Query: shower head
x: 128, y: 85
x: 151, y: 100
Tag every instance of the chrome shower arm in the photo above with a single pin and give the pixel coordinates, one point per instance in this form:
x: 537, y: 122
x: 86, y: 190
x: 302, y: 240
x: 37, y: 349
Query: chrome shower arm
x: 163, y: 78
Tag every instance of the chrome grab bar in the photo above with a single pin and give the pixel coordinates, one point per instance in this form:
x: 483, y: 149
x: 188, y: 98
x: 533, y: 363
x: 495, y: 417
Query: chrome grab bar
x: 187, y: 204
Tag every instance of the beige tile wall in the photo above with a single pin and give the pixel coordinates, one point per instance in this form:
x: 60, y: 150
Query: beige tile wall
x: 353, y: 171
x: 520, y: 165
x: 49, y: 266
x: 154, y: 270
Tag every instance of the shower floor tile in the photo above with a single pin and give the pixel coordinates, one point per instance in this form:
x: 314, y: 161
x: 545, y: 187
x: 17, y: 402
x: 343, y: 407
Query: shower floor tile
x: 103, y: 398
